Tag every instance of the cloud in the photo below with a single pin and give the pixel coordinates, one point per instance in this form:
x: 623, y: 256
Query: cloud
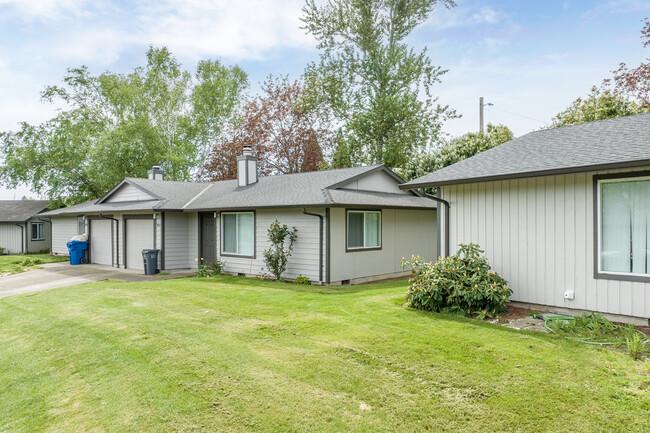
x: 460, y: 17
x: 616, y: 7
x: 41, y: 10
x: 486, y: 15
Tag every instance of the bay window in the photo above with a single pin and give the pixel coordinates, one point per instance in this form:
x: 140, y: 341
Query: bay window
x: 623, y: 212
x: 238, y: 233
x: 363, y: 229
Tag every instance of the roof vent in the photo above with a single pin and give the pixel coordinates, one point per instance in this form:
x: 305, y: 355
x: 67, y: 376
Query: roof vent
x: 156, y: 173
x: 247, y: 167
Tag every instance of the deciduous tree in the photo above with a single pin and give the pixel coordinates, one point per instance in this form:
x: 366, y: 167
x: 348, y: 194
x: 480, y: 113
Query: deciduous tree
x: 379, y: 87
x: 287, y: 135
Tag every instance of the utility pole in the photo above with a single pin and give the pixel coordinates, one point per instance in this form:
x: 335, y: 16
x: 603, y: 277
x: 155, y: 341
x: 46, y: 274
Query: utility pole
x: 481, y: 105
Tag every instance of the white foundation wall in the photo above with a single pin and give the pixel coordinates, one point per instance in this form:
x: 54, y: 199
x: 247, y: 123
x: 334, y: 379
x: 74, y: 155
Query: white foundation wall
x: 538, y: 234
x: 404, y: 233
x: 305, y: 257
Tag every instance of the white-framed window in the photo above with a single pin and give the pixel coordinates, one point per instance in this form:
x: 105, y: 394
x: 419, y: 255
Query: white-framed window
x: 238, y: 233
x: 81, y: 225
x: 363, y: 229
x: 38, y: 232
x: 623, y: 226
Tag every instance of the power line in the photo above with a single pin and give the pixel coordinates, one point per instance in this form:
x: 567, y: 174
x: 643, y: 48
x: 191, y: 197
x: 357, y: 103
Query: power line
x: 517, y: 114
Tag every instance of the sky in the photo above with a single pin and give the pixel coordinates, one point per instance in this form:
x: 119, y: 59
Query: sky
x: 529, y: 58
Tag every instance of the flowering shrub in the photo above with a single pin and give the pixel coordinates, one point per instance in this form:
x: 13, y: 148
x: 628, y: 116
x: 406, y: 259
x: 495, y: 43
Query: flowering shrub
x: 462, y: 283
x: 210, y: 269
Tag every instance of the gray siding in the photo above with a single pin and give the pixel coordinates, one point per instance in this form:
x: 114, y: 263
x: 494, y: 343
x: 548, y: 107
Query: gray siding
x: 538, y: 234
x: 305, y: 254
x: 128, y: 193
x: 193, y: 239
x: 404, y: 233
x: 177, y: 235
x: 378, y: 181
x: 63, y: 229
x: 10, y: 238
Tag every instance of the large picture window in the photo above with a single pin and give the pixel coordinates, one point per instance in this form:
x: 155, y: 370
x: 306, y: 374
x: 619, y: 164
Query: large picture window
x: 364, y: 229
x: 238, y: 233
x: 624, y: 226
x: 38, y: 233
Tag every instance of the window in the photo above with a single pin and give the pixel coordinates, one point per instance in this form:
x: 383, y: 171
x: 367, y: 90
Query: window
x: 37, y: 232
x: 364, y: 229
x: 238, y: 233
x: 624, y: 226
x: 81, y: 226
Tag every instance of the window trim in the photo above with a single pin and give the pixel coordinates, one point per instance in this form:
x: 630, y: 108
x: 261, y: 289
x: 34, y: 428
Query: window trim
x: 42, y: 230
x: 347, y: 229
x: 221, y: 231
x: 597, y: 181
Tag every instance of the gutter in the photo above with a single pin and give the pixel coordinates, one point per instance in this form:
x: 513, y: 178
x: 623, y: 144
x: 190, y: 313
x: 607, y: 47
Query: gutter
x: 22, y: 238
x: 446, y: 219
x: 320, y: 243
x: 117, y: 237
x: 50, y: 223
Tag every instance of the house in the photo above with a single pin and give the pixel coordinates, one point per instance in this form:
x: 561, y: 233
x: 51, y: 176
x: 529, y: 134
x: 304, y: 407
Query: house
x: 563, y: 214
x: 21, y: 228
x: 354, y: 224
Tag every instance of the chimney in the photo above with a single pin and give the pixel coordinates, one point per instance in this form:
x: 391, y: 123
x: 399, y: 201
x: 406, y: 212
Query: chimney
x: 247, y: 167
x: 156, y: 173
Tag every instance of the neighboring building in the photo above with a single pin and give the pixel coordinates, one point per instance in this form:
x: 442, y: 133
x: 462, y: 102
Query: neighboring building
x: 353, y: 224
x: 563, y: 214
x: 21, y: 228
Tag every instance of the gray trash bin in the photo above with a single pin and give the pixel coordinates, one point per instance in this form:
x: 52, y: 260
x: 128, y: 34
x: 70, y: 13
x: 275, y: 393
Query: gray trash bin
x: 150, y: 258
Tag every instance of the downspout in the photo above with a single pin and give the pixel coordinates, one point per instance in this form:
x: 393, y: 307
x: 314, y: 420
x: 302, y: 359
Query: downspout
x: 117, y: 238
x: 446, y: 217
x: 50, y: 223
x: 22, y: 238
x: 320, y: 243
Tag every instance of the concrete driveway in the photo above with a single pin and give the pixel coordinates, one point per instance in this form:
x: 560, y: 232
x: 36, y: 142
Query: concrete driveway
x: 53, y: 275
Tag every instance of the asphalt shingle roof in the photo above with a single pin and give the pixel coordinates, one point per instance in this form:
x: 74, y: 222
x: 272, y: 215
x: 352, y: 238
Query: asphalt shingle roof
x: 17, y: 211
x: 318, y: 188
x: 619, y: 142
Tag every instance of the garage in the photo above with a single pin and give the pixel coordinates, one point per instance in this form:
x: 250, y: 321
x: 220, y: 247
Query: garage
x: 139, y: 236
x: 101, y: 242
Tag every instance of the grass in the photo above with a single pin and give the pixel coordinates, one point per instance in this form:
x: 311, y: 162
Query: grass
x: 14, y: 264
x: 237, y: 355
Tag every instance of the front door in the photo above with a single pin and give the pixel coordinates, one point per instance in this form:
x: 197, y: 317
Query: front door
x: 208, y: 238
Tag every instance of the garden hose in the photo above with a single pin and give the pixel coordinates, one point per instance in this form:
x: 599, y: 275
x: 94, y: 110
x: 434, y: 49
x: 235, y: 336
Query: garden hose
x: 587, y: 340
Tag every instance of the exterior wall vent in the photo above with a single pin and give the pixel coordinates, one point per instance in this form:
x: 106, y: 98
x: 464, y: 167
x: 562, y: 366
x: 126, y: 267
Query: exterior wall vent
x: 247, y: 167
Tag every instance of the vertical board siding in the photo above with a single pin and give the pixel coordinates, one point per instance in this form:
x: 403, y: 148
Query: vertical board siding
x: 10, y: 238
x: 305, y: 256
x: 63, y: 229
x: 538, y: 234
x: 177, y: 235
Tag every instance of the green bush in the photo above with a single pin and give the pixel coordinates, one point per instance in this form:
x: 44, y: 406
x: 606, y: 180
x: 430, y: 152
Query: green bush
x: 211, y: 269
x: 301, y: 279
x: 277, y: 256
x: 29, y: 262
x: 461, y: 284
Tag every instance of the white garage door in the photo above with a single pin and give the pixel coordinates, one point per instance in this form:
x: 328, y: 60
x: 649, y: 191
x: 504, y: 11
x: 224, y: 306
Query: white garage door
x: 100, y: 242
x: 139, y: 236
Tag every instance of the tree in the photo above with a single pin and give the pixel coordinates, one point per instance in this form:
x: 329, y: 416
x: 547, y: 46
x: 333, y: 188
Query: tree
x: 598, y: 105
x: 115, y: 125
x: 457, y: 149
x: 378, y: 87
x: 278, y: 254
x: 286, y: 135
x: 635, y: 82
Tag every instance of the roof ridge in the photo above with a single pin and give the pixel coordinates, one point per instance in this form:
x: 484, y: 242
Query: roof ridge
x: 591, y: 122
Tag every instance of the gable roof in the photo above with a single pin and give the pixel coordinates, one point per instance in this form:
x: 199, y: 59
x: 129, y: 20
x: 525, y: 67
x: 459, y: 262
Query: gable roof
x: 311, y: 189
x: 17, y: 211
x: 605, y: 144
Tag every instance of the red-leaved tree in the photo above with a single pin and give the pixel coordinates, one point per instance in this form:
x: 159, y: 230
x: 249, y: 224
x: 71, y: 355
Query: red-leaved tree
x: 286, y: 135
x: 635, y: 82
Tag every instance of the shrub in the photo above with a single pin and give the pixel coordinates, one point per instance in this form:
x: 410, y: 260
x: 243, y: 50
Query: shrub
x: 461, y: 283
x: 211, y: 269
x: 277, y: 256
x: 29, y: 262
x: 301, y: 279
x: 2, y: 251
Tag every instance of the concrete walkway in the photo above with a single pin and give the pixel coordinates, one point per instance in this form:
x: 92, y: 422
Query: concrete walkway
x: 53, y: 275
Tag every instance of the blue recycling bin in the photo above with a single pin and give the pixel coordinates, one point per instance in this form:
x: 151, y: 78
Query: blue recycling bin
x: 77, y: 250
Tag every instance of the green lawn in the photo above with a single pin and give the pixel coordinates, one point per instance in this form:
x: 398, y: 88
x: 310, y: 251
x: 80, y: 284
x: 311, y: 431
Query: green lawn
x: 16, y: 263
x: 234, y: 354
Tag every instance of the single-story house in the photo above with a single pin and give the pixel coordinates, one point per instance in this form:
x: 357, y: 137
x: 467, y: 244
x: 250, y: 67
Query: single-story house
x: 22, y: 230
x: 563, y: 214
x: 354, y: 224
